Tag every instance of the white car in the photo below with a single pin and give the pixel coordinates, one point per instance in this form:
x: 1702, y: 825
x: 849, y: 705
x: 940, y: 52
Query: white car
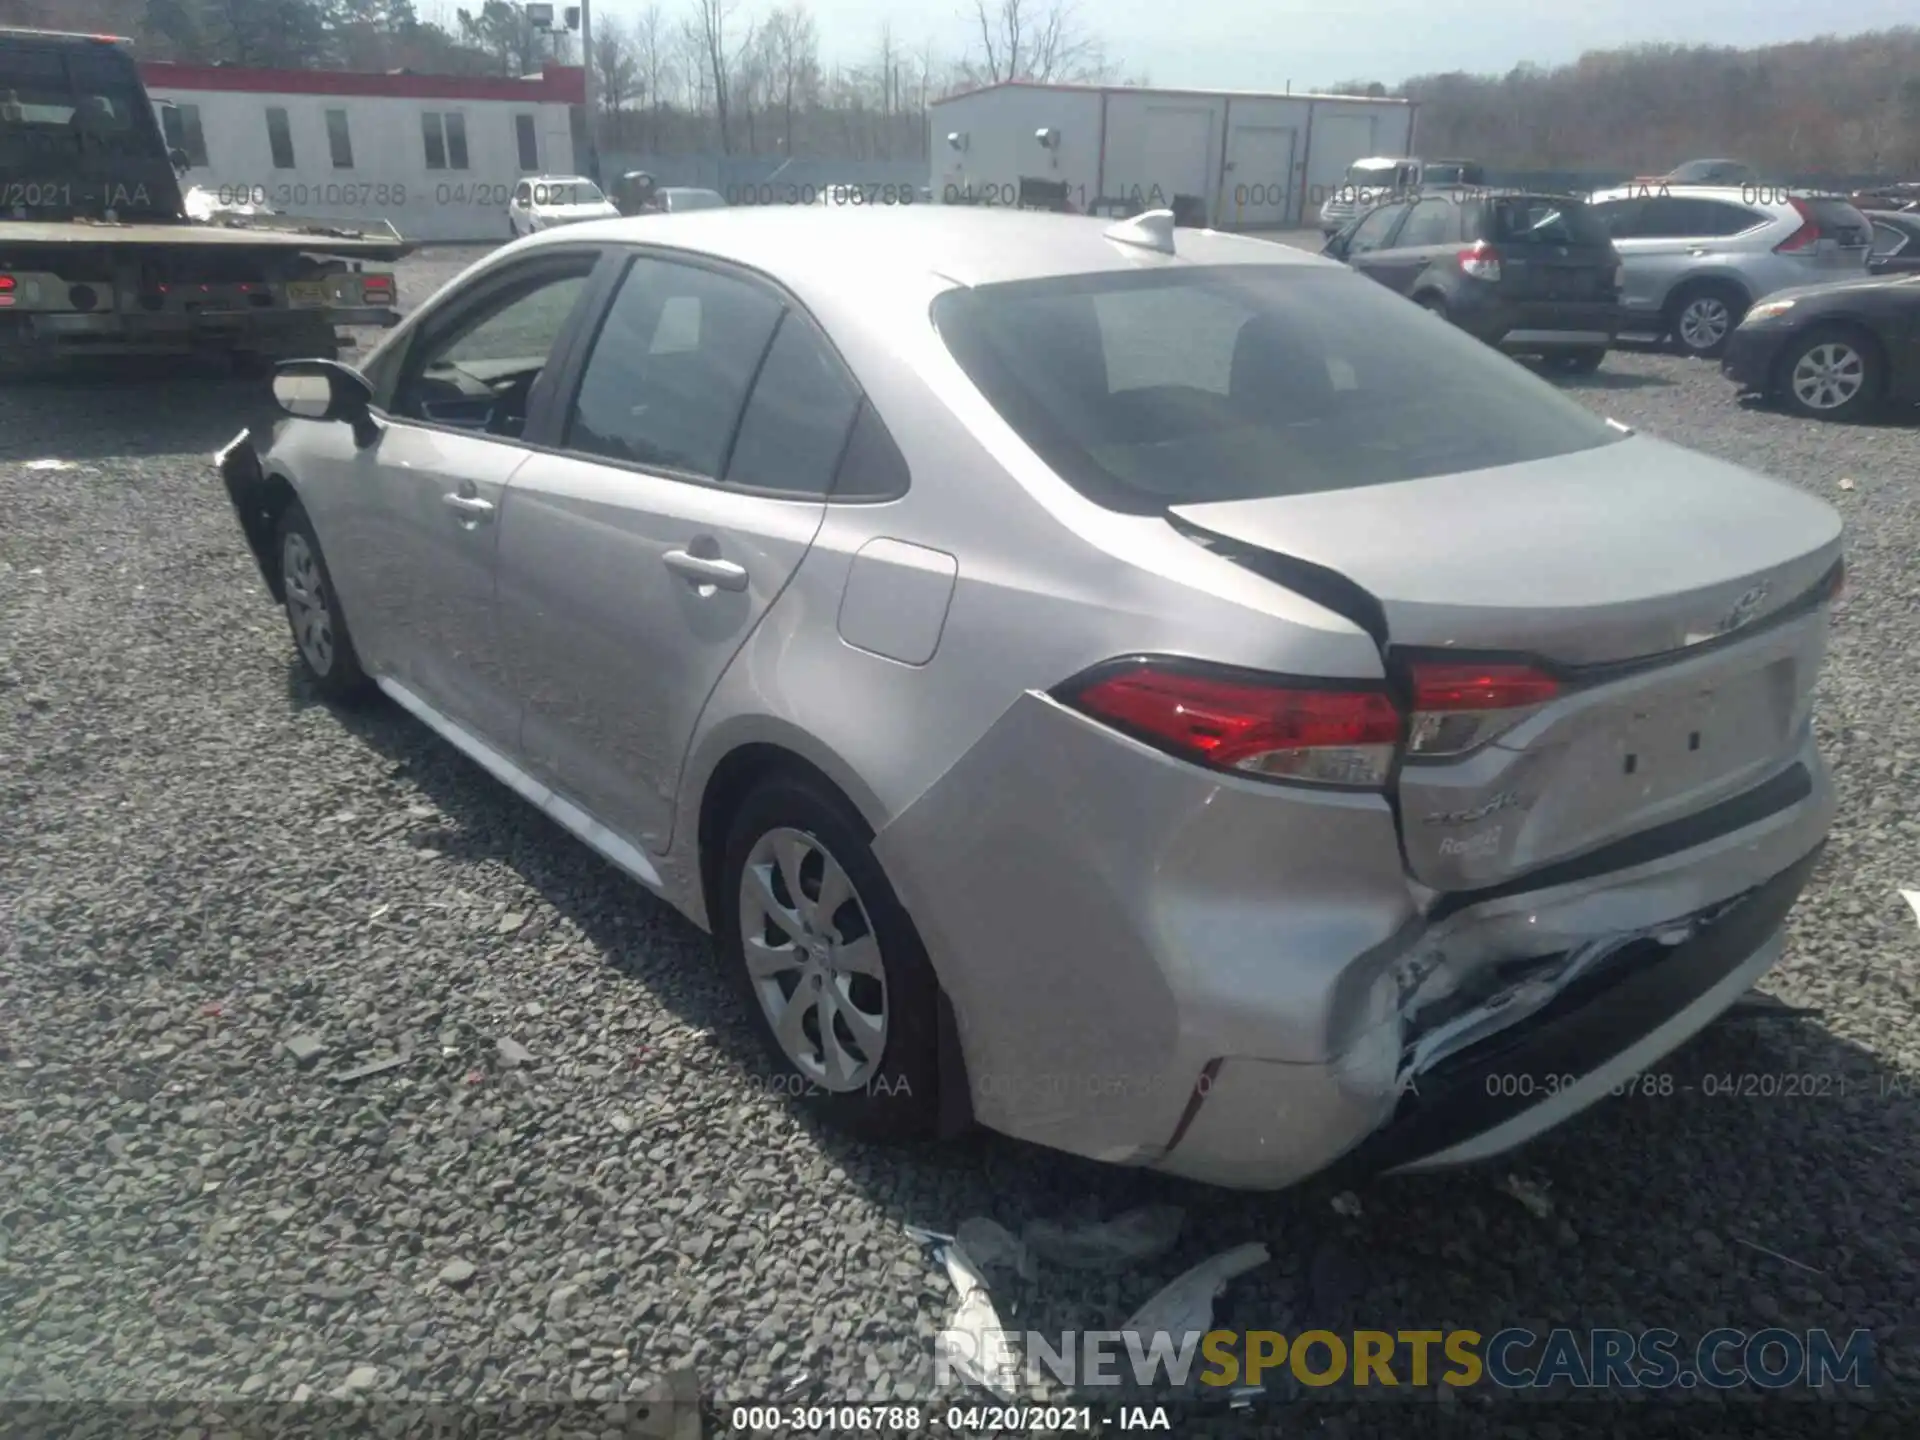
x: 550, y: 200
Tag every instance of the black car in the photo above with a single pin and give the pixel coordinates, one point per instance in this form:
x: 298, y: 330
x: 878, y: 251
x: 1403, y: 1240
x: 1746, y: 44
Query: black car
x: 1896, y: 242
x: 1836, y: 351
x: 1532, y: 274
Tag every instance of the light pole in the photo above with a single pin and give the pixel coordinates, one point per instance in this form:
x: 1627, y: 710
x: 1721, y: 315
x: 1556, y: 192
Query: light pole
x: 593, y: 106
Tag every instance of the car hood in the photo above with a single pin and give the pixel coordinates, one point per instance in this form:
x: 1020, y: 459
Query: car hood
x: 1891, y: 283
x: 1629, y: 549
x: 599, y: 210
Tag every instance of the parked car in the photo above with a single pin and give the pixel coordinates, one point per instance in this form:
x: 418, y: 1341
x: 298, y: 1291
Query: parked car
x: 1709, y: 172
x: 1697, y: 258
x: 1148, y: 691
x: 1368, y: 183
x: 678, y: 199
x: 1896, y: 242
x: 1902, y: 197
x: 1452, y: 172
x: 1836, y: 351
x: 1532, y: 274
x: 553, y: 200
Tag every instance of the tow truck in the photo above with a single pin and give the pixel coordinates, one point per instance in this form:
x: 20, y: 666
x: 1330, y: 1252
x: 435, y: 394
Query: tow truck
x: 99, y: 255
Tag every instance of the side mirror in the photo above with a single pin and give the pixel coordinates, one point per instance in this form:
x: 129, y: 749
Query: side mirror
x: 181, y: 163
x: 326, y: 390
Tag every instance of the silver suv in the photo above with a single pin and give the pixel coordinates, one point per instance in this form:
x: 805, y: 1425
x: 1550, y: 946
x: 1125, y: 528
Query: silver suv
x: 1697, y: 256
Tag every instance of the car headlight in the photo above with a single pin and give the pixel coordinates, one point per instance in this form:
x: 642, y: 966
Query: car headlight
x: 1767, y: 310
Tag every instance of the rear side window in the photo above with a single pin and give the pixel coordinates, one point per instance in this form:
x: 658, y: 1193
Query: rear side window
x: 1677, y: 217
x: 1887, y: 240
x: 671, y: 368
x: 1286, y: 380
x: 796, y: 423
x: 1542, y: 220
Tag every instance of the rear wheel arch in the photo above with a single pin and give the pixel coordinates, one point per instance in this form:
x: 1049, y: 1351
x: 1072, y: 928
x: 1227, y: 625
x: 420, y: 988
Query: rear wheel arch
x: 1731, y: 290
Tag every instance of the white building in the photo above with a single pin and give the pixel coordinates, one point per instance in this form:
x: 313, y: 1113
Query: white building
x: 1250, y: 160
x: 437, y: 155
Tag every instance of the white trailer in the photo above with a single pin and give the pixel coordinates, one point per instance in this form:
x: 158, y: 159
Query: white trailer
x: 1237, y: 160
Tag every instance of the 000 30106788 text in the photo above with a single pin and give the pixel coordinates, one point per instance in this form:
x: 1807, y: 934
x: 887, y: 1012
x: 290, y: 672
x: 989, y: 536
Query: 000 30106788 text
x: 363, y: 194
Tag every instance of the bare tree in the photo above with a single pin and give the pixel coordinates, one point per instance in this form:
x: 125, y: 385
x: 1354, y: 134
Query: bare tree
x: 1035, y: 40
x: 793, y: 63
x: 709, y: 29
x: 653, y: 56
x: 615, y: 65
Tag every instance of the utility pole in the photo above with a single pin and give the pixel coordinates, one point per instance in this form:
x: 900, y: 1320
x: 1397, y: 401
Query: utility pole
x: 593, y: 101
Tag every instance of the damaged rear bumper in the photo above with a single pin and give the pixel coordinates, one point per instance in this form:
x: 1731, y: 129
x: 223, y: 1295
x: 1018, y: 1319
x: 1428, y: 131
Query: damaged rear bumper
x: 1154, y: 965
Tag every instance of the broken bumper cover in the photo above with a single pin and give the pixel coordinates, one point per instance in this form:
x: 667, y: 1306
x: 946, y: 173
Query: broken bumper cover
x: 238, y: 463
x: 1598, y: 1033
x: 1152, y: 964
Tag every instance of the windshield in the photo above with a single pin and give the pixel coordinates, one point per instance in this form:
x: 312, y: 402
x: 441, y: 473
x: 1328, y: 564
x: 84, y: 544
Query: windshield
x: 1150, y: 389
x: 568, y: 192
x: 1374, y: 170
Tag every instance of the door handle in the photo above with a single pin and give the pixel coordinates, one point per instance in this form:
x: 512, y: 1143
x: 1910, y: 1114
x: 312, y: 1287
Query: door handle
x: 471, y: 509
x: 721, y: 574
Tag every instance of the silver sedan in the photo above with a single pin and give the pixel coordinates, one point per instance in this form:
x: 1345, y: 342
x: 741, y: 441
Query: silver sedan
x: 1151, y: 692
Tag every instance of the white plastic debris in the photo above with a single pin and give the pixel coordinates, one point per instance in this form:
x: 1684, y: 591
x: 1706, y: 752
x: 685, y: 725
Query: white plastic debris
x: 975, y: 1341
x: 1346, y: 1203
x: 1912, y: 897
x: 1530, y: 1195
x: 924, y: 1236
x: 1131, y: 1238
x: 48, y: 465
x: 1846, y: 483
x: 1186, y: 1306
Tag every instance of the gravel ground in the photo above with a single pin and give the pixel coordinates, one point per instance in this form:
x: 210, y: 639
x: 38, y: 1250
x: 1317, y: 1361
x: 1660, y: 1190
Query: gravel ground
x: 576, y: 1178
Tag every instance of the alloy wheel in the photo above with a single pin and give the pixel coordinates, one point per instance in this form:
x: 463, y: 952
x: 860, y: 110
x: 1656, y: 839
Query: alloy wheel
x: 307, y: 603
x: 813, y: 960
x: 1704, y: 322
x: 1828, y: 375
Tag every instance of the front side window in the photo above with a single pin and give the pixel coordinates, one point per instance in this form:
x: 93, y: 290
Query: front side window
x: 478, y: 371
x: 1330, y: 382
x: 670, y: 368
x: 279, y: 138
x: 1432, y: 222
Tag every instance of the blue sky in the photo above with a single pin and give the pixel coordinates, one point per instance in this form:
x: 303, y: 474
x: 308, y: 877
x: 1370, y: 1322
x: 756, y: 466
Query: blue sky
x: 1260, y: 44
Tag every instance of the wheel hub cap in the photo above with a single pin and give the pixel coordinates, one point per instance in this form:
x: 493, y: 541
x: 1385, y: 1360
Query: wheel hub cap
x: 1828, y: 376
x: 307, y: 608
x: 813, y: 960
x: 1703, y: 323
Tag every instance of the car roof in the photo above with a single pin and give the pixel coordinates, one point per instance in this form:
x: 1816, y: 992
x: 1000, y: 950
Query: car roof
x: 1761, y: 196
x: 686, y: 190
x: 808, y: 245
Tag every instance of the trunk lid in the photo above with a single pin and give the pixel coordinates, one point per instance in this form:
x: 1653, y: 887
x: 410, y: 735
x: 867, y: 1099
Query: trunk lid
x: 1671, y: 595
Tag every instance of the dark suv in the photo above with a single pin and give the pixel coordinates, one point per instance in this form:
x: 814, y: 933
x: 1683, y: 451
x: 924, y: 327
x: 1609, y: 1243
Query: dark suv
x: 1532, y: 274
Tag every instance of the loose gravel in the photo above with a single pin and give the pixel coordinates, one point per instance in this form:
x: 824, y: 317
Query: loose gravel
x: 328, y: 1068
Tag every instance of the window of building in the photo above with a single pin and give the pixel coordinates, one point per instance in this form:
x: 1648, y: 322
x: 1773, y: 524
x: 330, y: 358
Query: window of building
x: 339, y: 139
x: 182, y: 126
x: 528, y: 142
x: 280, y: 138
x: 445, y: 134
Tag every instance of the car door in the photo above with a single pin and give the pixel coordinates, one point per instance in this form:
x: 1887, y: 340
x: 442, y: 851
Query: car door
x: 1430, y: 231
x: 451, y: 437
x: 670, y: 506
x: 1361, y: 246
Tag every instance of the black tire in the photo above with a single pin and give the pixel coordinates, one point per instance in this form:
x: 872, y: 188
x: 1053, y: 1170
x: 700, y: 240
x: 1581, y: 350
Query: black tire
x: 333, y: 667
x: 899, y: 1100
x: 1707, y: 338
x: 1863, y: 365
x: 1578, y: 362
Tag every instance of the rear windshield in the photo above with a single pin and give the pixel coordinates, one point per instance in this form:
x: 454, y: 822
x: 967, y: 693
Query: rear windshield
x: 49, y: 87
x: 1542, y: 220
x: 1173, y: 387
x: 1835, y: 215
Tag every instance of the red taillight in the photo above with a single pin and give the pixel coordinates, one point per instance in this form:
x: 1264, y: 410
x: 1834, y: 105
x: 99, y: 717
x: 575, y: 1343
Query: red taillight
x: 6, y: 283
x: 1480, y: 260
x: 1318, y: 734
x: 377, y: 289
x: 1458, y: 707
x: 1807, y: 236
